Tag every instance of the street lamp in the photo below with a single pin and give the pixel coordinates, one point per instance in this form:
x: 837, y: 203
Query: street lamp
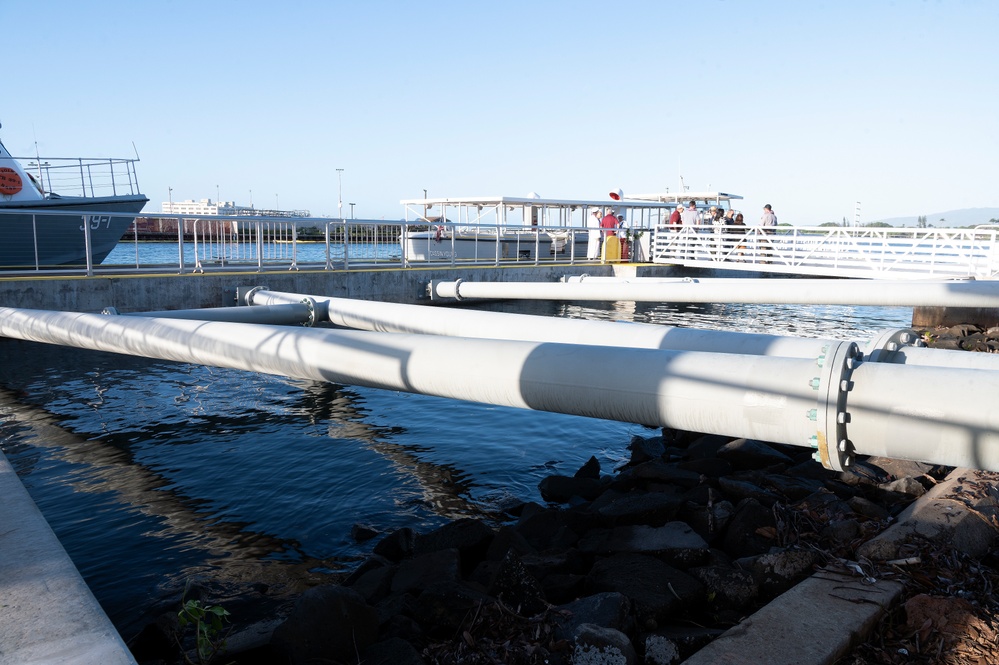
x: 276, y: 206
x: 351, y: 211
x: 170, y: 193
x: 339, y: 181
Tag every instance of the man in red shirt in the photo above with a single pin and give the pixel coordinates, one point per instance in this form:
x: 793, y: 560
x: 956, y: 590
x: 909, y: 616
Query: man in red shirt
x: 608, y: 224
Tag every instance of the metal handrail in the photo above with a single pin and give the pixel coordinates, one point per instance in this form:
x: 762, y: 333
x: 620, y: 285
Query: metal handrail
x: 271, y: 243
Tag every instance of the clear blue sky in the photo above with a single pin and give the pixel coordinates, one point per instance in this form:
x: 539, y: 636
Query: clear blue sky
x: 809, y: 106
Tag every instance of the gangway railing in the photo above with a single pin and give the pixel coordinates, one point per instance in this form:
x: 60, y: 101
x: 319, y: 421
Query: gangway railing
x: 254, y: 243
x: 881, y: 253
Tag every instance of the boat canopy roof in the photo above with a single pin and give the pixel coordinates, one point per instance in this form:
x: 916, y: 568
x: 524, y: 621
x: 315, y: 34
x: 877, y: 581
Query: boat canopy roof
x: 683, y: 197
x: 630, y: 202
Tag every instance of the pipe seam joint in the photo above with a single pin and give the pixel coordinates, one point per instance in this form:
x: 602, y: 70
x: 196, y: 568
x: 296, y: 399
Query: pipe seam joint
x: 834, y: 448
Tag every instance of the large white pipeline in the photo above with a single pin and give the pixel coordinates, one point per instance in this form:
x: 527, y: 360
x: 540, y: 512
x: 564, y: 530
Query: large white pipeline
x: 400, y: 318
x: 885, y: 293
x: 937, y: 415
x: 888, y: 346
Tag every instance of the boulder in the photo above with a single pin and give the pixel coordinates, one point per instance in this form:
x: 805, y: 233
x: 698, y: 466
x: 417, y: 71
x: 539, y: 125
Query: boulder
x: 326, y: 622
x: 610, y: 609
x: 414, y: 575
x: 597, y: 645
x: 657, y: 590
x: 751, y: 454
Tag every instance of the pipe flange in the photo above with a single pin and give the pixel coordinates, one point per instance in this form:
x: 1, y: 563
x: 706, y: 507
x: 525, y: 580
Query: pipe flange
x: 457, y: 285
x: 311, y: 304
x: 884, y: 347
x: 834, y: 448
x: 248, y: 296
x: 110, y: 311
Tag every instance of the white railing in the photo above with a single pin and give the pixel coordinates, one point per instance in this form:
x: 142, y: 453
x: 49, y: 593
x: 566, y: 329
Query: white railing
x: 883, y: 253
x: 88, y: 177
x: 187, y: 244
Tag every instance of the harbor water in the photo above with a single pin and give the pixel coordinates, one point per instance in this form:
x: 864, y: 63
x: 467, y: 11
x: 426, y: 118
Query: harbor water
x: 157, y: 474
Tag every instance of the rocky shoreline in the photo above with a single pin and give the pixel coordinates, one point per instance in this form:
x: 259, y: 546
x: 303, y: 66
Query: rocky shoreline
x: 643, y: 564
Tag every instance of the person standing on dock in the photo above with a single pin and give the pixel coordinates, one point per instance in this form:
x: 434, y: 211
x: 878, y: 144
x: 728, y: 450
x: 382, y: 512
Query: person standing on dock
x: 609, y: 223
x: 768, y: 222
x: 593, y: 236
x: 689, y: 220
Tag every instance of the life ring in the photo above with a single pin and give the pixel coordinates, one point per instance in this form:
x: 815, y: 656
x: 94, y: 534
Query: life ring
x: 10, y: 181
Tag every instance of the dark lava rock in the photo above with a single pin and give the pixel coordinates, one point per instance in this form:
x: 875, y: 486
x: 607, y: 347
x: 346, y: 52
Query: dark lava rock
x: 418, y: 573
x: 363, y: 532
x: 657, y: 590
x: 157, y: 640
x: 712, y: 467
x: 374, y: 584
x: 392, y: 651
x: 709, y: 521
x: 706, y: 446
x: 326, y: 623
x: 741, y: 489
x: 747, y: 530
x: 792, y: 487
x: 589, y: 470
x: 675, y: 542
x: 597, y: 644
x: 562, y: 489
x: 777, y: 572
x: 546, y: 529
x: 661, y: 472
x: 396, y: 546
x: 470, y: 537
x: 727, y: 587
x: 517, y: 588
x: 652, y: 508
x: 643, y: 450
x: 611, y: 609
x: 750, y: 454
x: 444, y: 607
x: 672, y: 645
x: 868, y: 508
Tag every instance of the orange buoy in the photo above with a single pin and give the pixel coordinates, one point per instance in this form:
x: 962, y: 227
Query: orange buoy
x: 10, y: 181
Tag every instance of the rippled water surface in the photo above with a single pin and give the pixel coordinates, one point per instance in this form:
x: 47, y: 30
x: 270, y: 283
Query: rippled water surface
x: 155, y: 473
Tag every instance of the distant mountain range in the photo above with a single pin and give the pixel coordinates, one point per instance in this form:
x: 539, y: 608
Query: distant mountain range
x: 952, y: 218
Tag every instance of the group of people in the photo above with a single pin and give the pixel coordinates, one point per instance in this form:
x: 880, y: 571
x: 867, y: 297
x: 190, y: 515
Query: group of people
x: 603, y: 224
x: 720, y: 221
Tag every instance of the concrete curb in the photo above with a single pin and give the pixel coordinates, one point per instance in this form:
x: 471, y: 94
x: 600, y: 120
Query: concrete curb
x: 961, y: 508
x: 821, y: 619
x: 47, y: 612
x: 814, y: 623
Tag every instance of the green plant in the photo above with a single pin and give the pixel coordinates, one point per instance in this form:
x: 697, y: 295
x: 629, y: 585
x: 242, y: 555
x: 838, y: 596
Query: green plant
x: 208, y: 628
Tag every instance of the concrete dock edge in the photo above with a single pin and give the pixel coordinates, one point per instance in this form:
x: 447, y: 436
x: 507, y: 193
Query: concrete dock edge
x: 814, y: 623
x: 47, y: 612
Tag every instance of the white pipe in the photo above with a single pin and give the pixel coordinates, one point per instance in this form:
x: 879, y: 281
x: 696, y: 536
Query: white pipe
x: 888, y: 346
x: 782, y: 400
x: 394, y: 317
x: 982, y: 293
x: 301, y: 313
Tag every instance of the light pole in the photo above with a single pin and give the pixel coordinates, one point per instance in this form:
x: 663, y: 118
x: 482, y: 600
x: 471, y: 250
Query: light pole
x: 217, y: 195
x: 251, y: 199
x: 276, y: 206
x: 351, y: 210
x: 170, y: 194
x: 339, y: 182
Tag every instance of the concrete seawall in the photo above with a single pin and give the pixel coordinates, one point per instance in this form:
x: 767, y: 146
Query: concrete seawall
x: 136, y: 293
